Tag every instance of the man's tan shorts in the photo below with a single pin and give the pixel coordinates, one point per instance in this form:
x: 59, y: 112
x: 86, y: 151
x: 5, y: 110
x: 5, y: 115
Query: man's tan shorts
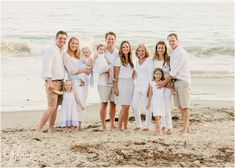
x: 106, y: 93
x: 182, y: 97
x: 52, y: 98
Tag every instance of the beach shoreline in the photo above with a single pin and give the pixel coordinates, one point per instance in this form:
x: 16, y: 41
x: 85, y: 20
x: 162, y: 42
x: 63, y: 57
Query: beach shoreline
x: 31, y: 118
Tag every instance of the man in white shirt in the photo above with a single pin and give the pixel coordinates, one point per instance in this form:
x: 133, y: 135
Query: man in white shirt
x: 105, y: 90
x: 180, y: 74
x: 53, y: 73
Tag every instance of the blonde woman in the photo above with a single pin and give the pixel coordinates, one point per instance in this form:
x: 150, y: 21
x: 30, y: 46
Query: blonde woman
x: 123, y: 85
x: 75, y: 67
x: 144, y: 73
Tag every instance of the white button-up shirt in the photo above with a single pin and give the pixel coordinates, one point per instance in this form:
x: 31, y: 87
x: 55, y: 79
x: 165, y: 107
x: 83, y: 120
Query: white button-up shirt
x: 52, y: 63
x: 179, y: 64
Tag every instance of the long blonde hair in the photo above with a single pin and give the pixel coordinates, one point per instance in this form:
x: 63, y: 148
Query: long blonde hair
x: 77, y: 53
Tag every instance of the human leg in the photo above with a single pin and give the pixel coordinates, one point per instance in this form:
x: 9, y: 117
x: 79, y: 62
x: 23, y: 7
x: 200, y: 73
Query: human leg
x: 136, y: 110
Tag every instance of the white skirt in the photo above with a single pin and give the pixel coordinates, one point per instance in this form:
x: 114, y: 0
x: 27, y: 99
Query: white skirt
x: 126, y: 91
x: 69, y: 111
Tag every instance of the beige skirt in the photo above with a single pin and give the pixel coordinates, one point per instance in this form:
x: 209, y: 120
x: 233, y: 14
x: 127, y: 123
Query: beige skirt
x: 126, y: 91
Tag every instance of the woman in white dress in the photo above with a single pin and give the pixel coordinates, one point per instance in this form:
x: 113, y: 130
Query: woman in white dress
x: 74, y: 66
x: 162, y: 60
x: 123, y: 82
x: 156, y: 101
x: 144, y: 73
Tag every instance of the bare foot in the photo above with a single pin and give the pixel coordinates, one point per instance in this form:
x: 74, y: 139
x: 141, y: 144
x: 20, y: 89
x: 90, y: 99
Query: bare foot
x: 113, y: 127
x: 51, y: 131
x: 120, y: 129
x: 184, y: 132
x: 158, y: 133
x: 37, y: 135
x: 80, y: 129
x: 145, y: 129
x: 103, y: 127
x: 169, y: 131
x: 188, y: 130
x: 137, y: 128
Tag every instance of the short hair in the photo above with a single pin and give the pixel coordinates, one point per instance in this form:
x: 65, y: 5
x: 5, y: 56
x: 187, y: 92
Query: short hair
x: 60, y: 32
x: 173, y: 34
x: 147, y: 52
x: 110, y: 33
x: 100, y: 45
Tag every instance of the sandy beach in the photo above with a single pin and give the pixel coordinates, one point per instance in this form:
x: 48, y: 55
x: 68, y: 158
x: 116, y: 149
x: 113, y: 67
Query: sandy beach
x: 211, y: 142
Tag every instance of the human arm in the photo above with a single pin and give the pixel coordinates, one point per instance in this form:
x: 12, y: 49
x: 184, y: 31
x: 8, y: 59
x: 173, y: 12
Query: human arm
x: 134, y: 75
x: 71, y: 69
x: 47, y: 63
x: 150, y: 95
x: 58, y: 92
x: 115, y: 80
x: 78, y: 101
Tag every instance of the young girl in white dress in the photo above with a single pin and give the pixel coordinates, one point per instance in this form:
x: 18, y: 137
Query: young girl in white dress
x: 156, y: 101
x: 69, y: 109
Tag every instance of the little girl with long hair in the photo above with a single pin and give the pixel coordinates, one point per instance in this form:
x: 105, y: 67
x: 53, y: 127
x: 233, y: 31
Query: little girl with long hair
x: 69, y: 109
x: 156, y: 101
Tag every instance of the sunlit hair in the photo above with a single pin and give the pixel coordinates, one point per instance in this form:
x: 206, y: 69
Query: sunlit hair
x: 110, y: 33
x: 147, y: 52
x: 122, y: 56
x: 166, y: 58
x: 173, y: 34
x: 160, y: 70
x: 67, y: 81
x: 86, y: 48
x: 60, y: 32
x: 100, y: 45
x: 76, y: 53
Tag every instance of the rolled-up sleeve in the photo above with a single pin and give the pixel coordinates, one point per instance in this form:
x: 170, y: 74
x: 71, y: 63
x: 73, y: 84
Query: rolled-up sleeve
x: 47, y: 62
x: 176, y: 63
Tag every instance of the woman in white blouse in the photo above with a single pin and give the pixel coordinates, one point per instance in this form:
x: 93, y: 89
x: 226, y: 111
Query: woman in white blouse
x: 144, y: 73
x: 123, y: 82
x: 162, y: 60
x: 74, y: 66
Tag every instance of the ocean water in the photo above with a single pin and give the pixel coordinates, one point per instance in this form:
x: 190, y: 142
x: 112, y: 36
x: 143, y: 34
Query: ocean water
x: 205, y: 30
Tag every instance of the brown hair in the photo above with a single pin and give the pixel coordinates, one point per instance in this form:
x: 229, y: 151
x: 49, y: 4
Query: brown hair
x: 122, y: 56
x: 60, y: 32
x: 166, y: 57
x: 173, y: 34
x: 147, y: 53
x: 158, y: 69
x: 77, y: 52
x: 110, y: 33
